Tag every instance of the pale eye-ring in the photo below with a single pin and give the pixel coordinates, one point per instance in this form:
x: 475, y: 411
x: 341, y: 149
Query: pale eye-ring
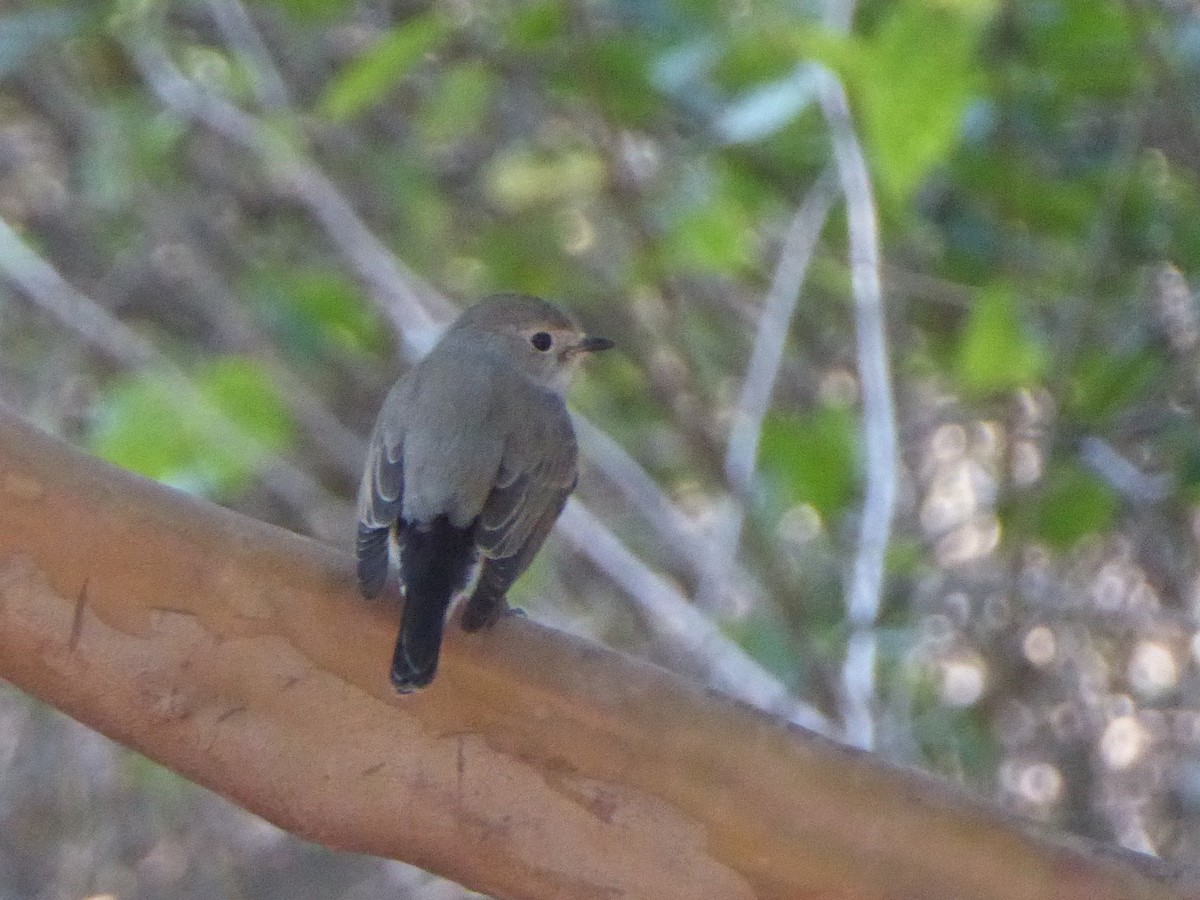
x: 542, y: 341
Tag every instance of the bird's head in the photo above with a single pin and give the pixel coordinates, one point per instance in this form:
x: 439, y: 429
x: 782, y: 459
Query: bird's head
x: 543, y: 342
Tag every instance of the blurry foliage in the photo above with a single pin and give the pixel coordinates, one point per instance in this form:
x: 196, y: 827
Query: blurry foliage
x: 811, y: 459
x: 143, y: 426
x: 313, y: 312
x: 1035, y: 166
x: 912, y: 104
x: 1106, y: 381
x: 24, y: 32
x: 367, y: 79
x: 995, y: 352
x: 1069, y: 504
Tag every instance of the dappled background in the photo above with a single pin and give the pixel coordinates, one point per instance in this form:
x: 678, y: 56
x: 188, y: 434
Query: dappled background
x: 226, y: 227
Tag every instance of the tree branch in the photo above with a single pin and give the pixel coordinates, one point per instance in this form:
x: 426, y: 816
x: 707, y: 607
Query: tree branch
x: 537, y: 765
x: 864, y: 592
x: 762, y: 371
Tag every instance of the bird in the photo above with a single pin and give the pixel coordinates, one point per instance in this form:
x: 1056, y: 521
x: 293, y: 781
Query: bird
x: 470, y: 463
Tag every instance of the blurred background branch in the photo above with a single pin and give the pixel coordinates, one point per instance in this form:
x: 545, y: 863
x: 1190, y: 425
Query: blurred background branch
x: 864, y: 592
x: 49, y: 290
x: 762, y: 371
x: 227, y: 226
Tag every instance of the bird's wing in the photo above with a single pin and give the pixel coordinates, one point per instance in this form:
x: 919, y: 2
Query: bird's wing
x: 381, y: 492
x: 536, y: 476
x: 536, y: 473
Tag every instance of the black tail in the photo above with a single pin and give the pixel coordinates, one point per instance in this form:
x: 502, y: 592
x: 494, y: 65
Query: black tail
x: 435, y: 560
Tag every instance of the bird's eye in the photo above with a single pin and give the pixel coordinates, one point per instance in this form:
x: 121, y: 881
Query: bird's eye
x: 542, y: 341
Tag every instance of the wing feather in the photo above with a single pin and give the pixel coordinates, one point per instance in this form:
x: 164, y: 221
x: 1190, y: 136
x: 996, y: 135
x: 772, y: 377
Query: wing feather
x: 381, y: 494
x: 537, y: 475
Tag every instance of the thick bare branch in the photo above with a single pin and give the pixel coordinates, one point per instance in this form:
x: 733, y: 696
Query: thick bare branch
x: 537, y: 765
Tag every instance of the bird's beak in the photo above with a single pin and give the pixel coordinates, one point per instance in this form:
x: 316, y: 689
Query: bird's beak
x: 593, y: 345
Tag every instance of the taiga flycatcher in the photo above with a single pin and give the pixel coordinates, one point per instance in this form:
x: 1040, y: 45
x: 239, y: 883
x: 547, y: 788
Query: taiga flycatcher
x: 470, y: 463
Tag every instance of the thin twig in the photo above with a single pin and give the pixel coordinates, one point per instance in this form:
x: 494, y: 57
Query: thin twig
x: 864, y: 594
x: 687, y: 547
x: 680, y: 625
x: 773, y: 327
x: 1122, y: 475
x: 239, y: 32
x: 404, y: 298
x: 762, y: 371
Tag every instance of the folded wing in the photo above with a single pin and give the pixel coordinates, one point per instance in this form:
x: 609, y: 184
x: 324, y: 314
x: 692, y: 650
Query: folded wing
x: 380, y: 499
x: 537, y: 474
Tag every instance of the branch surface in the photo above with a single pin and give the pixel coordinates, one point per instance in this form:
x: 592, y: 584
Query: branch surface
x: 538, y: 765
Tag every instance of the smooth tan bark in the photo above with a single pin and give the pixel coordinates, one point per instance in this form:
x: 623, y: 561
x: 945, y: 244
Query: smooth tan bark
x: 538, y: 765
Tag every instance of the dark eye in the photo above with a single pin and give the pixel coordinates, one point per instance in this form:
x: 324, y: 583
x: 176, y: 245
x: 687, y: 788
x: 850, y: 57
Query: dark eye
x: 541, y: 341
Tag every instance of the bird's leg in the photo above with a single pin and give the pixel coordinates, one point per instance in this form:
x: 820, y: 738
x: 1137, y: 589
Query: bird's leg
x: 483, y: 610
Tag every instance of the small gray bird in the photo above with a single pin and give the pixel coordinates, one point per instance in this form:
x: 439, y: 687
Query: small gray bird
x: 470, y: 463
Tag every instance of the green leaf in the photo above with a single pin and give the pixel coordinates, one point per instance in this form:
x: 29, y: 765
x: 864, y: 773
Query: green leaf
x: 141, y: 428
x: 314, y: 10
x: 1105, y: 383
x: 315, y: 310
x: 713, y: 238
x: 525, y: 255
x: 368, y: 78
x: 459, y: 104
x: 812, y: 457
x: 995, y: 353
x: 146, y: 427
x: 1088, y: 47
x: 753, y: 56
x: 1072, y: 503
x: 242, y: 390
x: 1185, y: 456
x: 911, y: 83
x: 536, y: 26
x: 766, y: 641
x: 957, y: 741
x: 712, y: 227
x: 611, y: 73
